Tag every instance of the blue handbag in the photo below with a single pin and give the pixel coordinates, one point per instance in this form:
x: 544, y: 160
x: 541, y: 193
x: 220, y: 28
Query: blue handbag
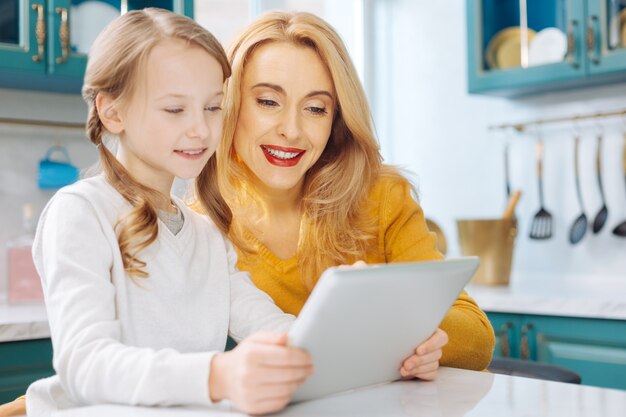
x: 55, y: 173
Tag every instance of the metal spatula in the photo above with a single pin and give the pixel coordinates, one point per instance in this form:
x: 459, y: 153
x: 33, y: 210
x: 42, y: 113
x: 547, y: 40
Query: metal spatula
x: 541, y: 227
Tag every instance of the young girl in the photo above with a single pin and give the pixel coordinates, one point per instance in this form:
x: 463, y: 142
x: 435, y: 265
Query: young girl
x: 142, y: 292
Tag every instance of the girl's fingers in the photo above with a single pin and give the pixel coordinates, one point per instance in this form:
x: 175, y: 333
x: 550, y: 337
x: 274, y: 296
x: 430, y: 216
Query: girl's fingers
x: 274, y: 375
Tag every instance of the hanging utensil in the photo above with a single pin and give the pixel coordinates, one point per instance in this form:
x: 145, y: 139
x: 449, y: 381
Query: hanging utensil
x: 509, y: 212
x: 620, y: 229
x: 541, y: 227
x: 507, y: 179
x: 579, y: 227
x: 600, y: 219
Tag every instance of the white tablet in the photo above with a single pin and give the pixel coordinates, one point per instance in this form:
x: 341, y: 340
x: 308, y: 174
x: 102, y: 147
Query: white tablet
x: 360, y: 324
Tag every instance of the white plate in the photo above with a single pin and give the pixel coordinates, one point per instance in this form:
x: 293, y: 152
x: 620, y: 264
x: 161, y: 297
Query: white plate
x: 87, y: 20
x: 547, y: 47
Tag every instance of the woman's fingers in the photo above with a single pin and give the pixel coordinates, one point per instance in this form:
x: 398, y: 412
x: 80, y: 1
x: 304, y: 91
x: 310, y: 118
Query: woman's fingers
x: 437, y: 341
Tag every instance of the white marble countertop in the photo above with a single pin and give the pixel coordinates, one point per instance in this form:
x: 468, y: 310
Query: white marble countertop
x: 23, y: 322
x: 571, y: 296
x: 454, y: 393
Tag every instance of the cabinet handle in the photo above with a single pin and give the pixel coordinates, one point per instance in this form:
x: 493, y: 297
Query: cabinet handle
x: 64, y: 35
x: 505, y: 348
x: 40, y: 31
x: 570, y: 57
x: 592, y: 40
x: 525, y: 347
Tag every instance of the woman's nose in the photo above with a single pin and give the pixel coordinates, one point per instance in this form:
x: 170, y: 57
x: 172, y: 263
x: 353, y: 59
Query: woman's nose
x: 289, y: 124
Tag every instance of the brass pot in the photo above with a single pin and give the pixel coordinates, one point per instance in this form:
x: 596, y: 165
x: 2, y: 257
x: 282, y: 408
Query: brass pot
x: 493, y: 241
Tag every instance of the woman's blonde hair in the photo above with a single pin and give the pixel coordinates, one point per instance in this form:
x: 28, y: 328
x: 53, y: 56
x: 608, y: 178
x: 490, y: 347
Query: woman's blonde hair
x: 335, y: 228
x: 116, y: 61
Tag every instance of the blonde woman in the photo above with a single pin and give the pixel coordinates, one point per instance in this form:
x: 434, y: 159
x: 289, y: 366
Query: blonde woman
x: 142, y: 292
x: 300, y: 167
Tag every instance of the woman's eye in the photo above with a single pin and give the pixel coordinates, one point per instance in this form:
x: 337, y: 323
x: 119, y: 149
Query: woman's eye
x: 174, y: 110
x: 266, y: 102
x: 317, y: 110
x: 213, y: 108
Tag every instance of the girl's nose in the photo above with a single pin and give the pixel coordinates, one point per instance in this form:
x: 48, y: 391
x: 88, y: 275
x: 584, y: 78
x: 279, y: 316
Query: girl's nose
x: 199, y: 126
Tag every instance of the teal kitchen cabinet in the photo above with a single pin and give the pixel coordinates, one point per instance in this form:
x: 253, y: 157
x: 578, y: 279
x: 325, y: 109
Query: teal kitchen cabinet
x: 594, y: 348
x: 44, y: 43
x: 21, y: 363
x: 568, y: 43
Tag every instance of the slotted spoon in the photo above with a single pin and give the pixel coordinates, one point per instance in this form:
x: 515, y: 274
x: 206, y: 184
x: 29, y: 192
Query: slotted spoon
x: 541, y: 227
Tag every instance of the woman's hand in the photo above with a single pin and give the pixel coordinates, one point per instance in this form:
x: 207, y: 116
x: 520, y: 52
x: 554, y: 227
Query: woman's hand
x: 260, y: 374
x: 425, y: 362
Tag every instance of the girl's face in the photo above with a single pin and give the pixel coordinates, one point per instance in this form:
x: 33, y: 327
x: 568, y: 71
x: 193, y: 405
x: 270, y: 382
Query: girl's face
x: 173, y: 121
x: 286, y: 115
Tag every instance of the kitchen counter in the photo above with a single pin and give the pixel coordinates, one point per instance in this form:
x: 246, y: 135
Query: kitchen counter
x: 603, y: 298
x: 454, y: 393
x: 23, y: 322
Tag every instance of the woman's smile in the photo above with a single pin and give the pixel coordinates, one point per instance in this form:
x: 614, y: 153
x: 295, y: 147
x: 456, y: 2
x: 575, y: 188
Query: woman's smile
x: 281, y: 156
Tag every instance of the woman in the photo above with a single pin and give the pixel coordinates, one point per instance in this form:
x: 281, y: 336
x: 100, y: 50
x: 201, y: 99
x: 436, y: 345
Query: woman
x: 300, y: 168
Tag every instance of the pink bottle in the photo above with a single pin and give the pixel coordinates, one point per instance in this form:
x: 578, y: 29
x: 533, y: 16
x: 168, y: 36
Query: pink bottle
x: 24, y: 282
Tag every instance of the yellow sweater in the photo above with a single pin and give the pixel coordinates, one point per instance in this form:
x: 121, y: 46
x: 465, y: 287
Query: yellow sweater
x: 403, y: 236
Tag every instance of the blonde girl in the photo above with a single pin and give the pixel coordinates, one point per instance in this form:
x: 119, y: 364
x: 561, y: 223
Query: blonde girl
x: 141, y: 292
x: 300, y: 167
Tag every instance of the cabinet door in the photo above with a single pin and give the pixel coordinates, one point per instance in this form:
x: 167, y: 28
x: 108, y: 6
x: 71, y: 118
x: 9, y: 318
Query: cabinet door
x: 22, y: 363
x: 522, y: 46
x: 22, y: 35
x: 507, y: 331
x: 595, y: 349
x: 606, y: 37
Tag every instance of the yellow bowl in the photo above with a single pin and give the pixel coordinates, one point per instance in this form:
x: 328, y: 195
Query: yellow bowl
x: 505, y: 48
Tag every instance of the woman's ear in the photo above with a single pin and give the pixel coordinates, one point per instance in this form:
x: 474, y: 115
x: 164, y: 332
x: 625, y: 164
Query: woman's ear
x: 109, y: 113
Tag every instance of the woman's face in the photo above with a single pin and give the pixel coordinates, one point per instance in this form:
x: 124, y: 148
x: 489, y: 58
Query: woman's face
x: 286, y: 114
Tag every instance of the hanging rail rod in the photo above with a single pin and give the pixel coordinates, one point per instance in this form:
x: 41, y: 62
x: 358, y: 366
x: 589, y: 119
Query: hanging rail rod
x: 520, y: 127
x: 41, y: 123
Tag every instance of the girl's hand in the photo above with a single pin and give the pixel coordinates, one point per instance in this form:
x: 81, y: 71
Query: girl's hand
x: 260, y: 374
x: 425, y: 362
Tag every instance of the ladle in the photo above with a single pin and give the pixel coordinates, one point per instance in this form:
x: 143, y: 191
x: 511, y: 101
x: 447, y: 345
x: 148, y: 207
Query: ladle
x: 620, y: 229
x: 579, y: 227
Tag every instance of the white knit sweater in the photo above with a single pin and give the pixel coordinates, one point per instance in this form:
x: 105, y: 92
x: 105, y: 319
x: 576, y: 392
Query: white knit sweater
x: 143, y: 341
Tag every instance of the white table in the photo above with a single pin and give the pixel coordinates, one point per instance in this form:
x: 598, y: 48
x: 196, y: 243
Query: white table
x: 454, y: 393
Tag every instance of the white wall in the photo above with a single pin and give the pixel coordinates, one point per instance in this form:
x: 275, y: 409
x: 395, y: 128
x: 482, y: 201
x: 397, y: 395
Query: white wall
x: 431, y: 126
x: 21, y: 148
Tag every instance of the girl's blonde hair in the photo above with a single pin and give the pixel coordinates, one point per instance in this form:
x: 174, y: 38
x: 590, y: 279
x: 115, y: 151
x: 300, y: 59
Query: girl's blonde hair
x: 335, y: 227
x: 116, y: 61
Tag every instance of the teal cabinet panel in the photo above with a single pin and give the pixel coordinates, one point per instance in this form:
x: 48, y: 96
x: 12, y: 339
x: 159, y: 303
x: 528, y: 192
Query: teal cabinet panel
x: 18, y: 43
x: 606, y: 21
x: 503, y: 61
x: 51, y: 31
x: 601, y: 366
x: 594, y: 348
x: 506, y: 328
x: 22, y: 363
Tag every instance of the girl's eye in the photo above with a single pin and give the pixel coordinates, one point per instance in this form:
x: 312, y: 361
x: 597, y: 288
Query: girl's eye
x: 174, y: 110
x: 213, y: 108
x: 266, y: 102
x: 317, y: 110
